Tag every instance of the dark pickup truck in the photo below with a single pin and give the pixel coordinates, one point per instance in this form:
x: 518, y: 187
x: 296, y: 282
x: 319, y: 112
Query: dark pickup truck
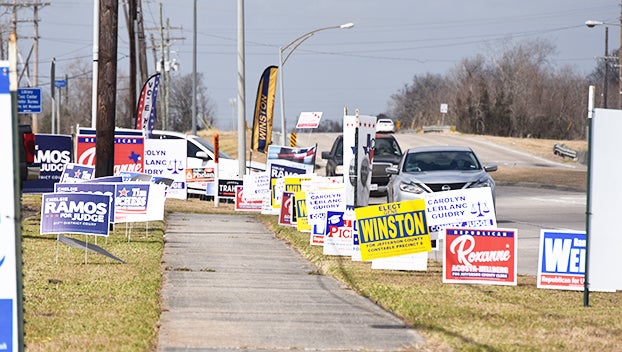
x: 387, y: 152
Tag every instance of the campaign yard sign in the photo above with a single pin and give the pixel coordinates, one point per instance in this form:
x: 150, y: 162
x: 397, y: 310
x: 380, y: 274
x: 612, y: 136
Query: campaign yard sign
x: 561, y: 263
x: 92, y: 188
x: 52, y: 153
x: 243, y: 203
x: 338, y: 238
x: 78, y: 213
x: 167, y: 158
x: 74, y: 173
x: 470, y: 208
x: 318, y: 204
x: 392, y: 229
x: 480, y: 256
x: 129, y: 148
x: 286, y: 213
x: 226, y: 188
x: 257, y: 185
x: 302, y: 214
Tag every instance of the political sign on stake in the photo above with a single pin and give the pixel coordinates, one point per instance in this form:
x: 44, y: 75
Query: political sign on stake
x: 52, y: 152
x: 561, y: 263
x: 338, y: 238
x: 286, y: 213
x: 318, y: 203
x: 392, y: 229
x: 480, y: 256
x: 470, y: 208
x: 78, y: 213
x: 73, y: 173
x: 243, y: 203
x: 96, y: 188
x: 302, y: 215
x: 226, y: 188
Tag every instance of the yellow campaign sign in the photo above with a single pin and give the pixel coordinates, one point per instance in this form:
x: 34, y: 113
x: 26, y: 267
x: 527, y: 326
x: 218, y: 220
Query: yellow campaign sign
x: 302, y: 216
x: 392, y: 229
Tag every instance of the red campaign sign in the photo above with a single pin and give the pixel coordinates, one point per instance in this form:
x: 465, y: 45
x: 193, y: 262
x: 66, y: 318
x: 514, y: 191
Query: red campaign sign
x: 244, y: 204
x: 482, y: 256
x: 286, y: 215
x: 129, y: 153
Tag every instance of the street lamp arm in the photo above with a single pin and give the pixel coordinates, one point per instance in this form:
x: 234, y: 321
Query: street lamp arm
x: 292, y: 47
x: 296, y: 42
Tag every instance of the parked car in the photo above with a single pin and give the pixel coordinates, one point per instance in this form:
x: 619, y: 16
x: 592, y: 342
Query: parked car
x: 387, y: 152
x: 385, y: 125
x: 435, y: 169
x: 200, y: 154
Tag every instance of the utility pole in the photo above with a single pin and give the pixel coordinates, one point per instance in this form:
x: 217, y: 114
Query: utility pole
x: 163, y: 66
x: 606, y: 78
x: 129, y: 10
x: 106, y: 87
x: 142, y: 46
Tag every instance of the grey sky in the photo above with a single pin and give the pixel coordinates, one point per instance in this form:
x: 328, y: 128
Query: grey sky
x: 391, y: 42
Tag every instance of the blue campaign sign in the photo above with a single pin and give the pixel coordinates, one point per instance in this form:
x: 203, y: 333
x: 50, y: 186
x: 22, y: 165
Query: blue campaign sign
x: 561, y: 263
x: 108, y: 189
x: 29, y: 100
x: 53, y: 152
x: 79, y: 213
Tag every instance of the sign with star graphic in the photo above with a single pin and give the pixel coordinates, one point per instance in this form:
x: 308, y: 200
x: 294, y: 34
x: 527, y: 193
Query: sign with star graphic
x: 75, y: 173
x: 129, y: 151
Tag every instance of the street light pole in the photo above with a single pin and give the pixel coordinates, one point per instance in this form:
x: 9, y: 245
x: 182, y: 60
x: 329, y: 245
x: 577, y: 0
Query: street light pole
x: 292, y: 46
x: 592, y: 24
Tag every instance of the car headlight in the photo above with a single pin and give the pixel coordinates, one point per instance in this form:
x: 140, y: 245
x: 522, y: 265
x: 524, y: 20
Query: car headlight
x: 483, y: 182
x: 339, y: 169
x: 411, y: 188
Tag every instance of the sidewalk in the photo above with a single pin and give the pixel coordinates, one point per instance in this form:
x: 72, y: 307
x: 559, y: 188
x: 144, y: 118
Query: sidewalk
x: 229, y: 284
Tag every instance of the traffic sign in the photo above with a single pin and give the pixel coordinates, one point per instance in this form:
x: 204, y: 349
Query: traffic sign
x: 60, y: 83
x: 29, y: 100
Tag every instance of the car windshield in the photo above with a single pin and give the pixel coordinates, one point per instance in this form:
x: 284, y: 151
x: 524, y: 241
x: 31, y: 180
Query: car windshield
x: 441, y: 161
x: 387, y: 147
x: 210, y: 147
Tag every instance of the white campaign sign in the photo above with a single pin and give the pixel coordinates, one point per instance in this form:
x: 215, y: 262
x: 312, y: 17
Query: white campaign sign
x: 605, y: 242
x: 473, y: 208
x: 8, y: 258
x: 167, y: 158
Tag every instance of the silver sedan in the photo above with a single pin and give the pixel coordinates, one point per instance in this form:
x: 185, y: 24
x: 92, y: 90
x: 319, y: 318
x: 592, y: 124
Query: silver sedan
x: 437, y: 168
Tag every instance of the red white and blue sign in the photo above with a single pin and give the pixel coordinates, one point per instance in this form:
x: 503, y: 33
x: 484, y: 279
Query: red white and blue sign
x: 78, y: 213
x: 74, y: 173
x: 480, y: 256
x: 129, y: 150
x: 92, y: 188
x: 561, y: 263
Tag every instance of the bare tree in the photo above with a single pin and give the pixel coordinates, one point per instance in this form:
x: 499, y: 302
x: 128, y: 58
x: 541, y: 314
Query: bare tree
x: 515, y: 92
x: 180, y: 104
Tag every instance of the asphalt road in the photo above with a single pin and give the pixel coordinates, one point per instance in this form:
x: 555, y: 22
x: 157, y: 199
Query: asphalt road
x: 488, y: 152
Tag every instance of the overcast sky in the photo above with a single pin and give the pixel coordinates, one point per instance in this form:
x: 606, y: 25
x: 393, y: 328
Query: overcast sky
x: 391, y: 42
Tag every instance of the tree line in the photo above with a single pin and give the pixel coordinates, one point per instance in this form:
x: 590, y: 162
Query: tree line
x: 516, y: 92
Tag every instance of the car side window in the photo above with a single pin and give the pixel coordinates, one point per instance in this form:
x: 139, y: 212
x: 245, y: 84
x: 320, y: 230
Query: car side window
x: 192, y: 150
x: 339, y: 147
